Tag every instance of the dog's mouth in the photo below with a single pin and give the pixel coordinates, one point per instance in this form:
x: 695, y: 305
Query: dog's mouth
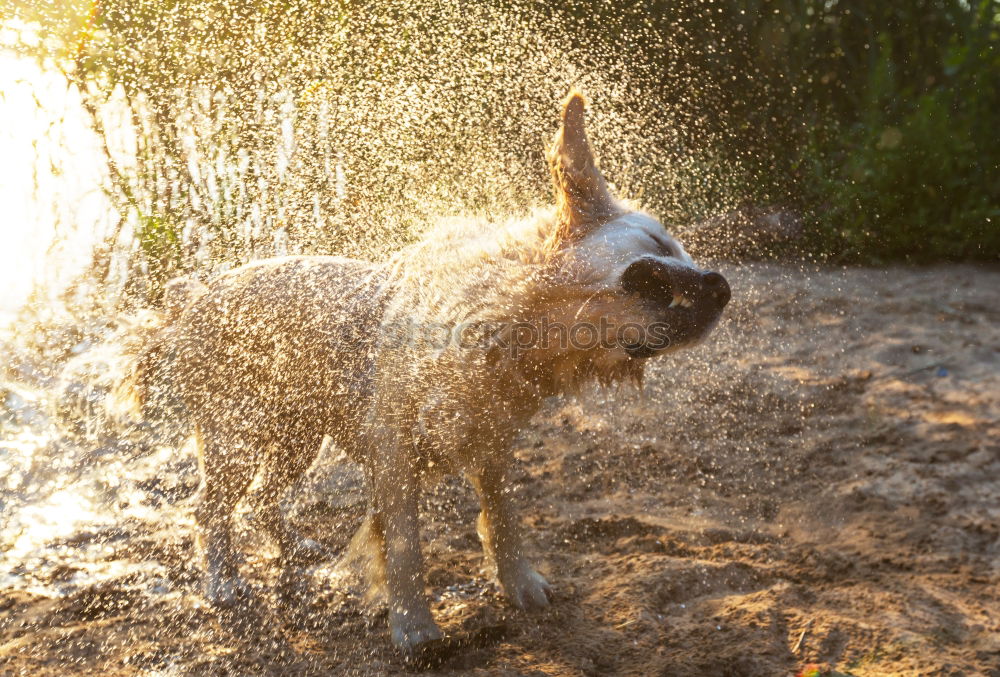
x: 639, y: 351
x: 680, y: 301
x: 680, y: 324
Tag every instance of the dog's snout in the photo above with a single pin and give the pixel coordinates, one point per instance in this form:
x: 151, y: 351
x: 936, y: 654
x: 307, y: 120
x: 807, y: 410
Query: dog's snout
x: 654, y: 280
x: 717, y: 287
x: 648, y: 278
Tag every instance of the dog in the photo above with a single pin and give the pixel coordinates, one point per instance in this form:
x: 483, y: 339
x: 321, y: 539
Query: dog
x: 427, y: 363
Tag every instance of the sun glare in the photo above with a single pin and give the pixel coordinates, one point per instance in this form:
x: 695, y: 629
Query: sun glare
x: 51, y: 177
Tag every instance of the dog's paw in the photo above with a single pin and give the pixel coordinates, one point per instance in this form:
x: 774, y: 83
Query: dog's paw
x: 411, y: 630
x: 525, y: 588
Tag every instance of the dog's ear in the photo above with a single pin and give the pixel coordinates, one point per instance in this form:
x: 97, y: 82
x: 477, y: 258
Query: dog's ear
x: 582, y: 196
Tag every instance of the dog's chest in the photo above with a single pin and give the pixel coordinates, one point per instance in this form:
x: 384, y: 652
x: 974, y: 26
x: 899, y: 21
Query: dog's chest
x: 460, y: 431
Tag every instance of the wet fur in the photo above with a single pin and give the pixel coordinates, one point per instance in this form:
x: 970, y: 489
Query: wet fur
x: 270, y: 357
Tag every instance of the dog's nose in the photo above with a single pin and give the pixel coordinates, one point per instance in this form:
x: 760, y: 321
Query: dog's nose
x: 717, y: 288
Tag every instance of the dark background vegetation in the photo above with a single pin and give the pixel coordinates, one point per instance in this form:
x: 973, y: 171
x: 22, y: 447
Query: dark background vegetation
x: 877, y: 122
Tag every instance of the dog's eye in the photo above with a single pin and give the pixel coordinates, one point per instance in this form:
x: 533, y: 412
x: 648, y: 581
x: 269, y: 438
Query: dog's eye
x: 664, y: 247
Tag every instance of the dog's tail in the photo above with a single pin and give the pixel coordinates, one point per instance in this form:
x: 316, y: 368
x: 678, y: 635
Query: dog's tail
x: 144, y: 389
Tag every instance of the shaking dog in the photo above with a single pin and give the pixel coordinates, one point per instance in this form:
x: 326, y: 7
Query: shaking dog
x: 427, y: 363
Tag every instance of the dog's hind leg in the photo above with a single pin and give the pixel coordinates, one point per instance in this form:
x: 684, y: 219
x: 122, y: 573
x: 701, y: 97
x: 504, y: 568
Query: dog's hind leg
x: 287, y: 462
x: 396, y: 488
x: 500, y: 534
x: 226, y: 473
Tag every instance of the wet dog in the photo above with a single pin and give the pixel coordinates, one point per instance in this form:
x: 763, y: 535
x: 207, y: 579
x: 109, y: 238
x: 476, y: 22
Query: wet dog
x: 427, y: 363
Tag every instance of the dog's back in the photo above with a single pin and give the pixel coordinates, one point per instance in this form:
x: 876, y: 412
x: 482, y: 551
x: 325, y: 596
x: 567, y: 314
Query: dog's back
x: 284, y: 343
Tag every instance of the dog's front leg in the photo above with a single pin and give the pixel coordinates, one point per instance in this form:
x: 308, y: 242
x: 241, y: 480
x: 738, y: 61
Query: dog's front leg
x: 500, y: 533
x: 397, y: 488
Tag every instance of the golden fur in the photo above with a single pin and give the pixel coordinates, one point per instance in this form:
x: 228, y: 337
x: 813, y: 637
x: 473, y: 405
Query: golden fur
x: 274, y: 355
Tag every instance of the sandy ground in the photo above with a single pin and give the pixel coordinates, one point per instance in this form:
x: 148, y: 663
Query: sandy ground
x: 819, y: 482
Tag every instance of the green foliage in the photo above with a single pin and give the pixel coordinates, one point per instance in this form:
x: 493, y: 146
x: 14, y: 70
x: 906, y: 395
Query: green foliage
x: 916, y: 175
x: 877, y: 120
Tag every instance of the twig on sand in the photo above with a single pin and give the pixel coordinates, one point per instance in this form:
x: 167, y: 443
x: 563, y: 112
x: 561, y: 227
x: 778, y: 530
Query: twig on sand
x: 802, y: 637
